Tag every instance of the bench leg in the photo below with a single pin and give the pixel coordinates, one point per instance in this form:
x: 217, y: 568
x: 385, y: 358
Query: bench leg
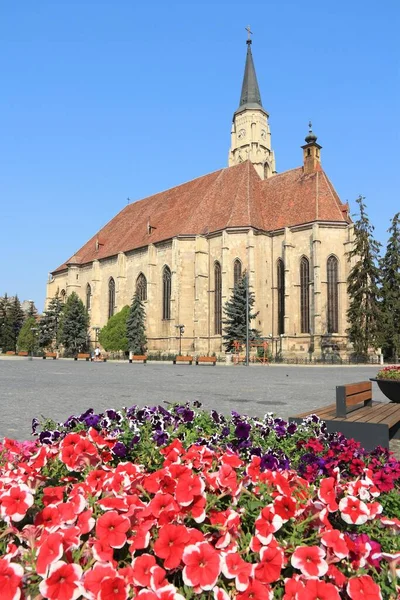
x: 44, y: 358
x: 75, y: 358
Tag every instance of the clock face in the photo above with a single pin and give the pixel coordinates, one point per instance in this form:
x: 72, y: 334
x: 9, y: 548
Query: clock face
x: 263, y: 134
x: 241, y: 134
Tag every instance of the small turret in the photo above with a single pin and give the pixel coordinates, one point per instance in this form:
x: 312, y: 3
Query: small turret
x: 311, y: 152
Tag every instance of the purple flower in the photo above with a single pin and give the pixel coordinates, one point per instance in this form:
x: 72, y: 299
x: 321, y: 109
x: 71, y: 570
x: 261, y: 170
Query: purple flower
x: 71, y: 422
x: 92, y: 420
x: 35, y: 425
x: 160, y: 437
x: 292, y: 428
x: 87, y: 412
x: 45, y: 437
x: 119, y: 449
x: 225, y: 431
x: 242, y: 430
x: 268, y: 461
x: 280, y: 430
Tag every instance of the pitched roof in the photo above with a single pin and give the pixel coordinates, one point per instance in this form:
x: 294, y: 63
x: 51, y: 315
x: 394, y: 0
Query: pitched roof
x: 231, y: 197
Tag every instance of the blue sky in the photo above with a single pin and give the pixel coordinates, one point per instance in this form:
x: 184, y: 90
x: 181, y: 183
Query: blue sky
x: 106, y: 100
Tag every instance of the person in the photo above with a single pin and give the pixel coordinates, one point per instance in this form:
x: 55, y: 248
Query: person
x: 97, y: 353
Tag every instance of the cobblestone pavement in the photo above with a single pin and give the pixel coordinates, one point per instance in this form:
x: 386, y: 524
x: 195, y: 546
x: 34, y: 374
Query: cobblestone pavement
x: 60, y: 388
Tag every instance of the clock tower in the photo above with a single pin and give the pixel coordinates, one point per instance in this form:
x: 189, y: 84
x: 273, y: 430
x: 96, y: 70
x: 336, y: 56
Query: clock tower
x: 250, y: 135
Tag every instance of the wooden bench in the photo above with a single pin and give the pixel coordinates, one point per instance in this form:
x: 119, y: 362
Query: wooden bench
x: 138, y: 358
x: 183, y: 359
x: 210, y: 360
x: 23, y: 353
x: 357, y: 416
x: 10, y: 353
x: 52, y: 355
x: 82, y: 356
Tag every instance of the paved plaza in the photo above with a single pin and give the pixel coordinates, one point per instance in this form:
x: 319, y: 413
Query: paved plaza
x: 60, y: 388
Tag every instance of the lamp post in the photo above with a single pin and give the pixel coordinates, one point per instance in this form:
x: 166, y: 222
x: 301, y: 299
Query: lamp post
x: 34, y: 331
x: 181, y: 332
x: 96, y: 333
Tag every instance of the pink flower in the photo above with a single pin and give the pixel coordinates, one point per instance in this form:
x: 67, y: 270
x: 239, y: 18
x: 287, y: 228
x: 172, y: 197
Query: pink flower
x: 202, y: 566
x: 353, y: 511
x: 10, y: 579
x: 363, y: 588
x: 63, y: 582
x: 310, y: 561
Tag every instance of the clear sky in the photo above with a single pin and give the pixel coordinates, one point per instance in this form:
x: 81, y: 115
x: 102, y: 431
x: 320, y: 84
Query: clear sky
x: 106, y: 100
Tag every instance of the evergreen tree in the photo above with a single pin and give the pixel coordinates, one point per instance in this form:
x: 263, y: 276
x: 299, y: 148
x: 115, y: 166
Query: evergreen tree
x: 113, y: 336
x: 27, y: 339
x: 235, y: 311
x: 74, y: 325
x: 390, y: 277
x: 364, y: 313
x: 135, y: 326
x: 16, y: 319
x: 49, y: 325
x: 6, y: 332
x: 32, y: 310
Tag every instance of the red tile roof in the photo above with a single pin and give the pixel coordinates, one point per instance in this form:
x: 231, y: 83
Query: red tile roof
x: 231, y: 197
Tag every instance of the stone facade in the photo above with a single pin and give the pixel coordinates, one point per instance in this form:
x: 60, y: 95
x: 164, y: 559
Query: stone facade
x: 245, y: 213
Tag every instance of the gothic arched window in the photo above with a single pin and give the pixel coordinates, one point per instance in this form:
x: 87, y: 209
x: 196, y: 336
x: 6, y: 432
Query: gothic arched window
x: 332, y: 270
x: 88, y: 296
x: 217, y: 299
x: 304, y: 295
x: 111, y: 297
x: 166, y: 314
x: 237, y: 272
x: 141, y: 287
x: 63, y: 296
x: 281, y: 296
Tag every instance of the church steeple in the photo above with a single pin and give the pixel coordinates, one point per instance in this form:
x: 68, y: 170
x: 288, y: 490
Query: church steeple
x: 250, y: 135
x: 250, y: 96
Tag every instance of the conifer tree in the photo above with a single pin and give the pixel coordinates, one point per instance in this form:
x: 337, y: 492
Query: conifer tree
x: 135, y: 326
x: 49, y: 325
x: 16, y: 318
x: 74, y: 325
x: 390, y: 278
x: 6, y: 333
x: 32, y: 310
x: 113, y: 336
x: 364, y: 314
x: 235, y: 316
x: 27, y: 339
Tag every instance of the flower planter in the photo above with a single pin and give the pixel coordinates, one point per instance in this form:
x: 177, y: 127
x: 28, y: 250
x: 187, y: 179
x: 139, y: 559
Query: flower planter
x: 389, y: 387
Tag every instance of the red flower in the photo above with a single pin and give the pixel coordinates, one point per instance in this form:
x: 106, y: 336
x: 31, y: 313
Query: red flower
x: 267, y: 524
x: 93, y: 579
x: 63, y: 582
x: 363, y: 588
x: 170, y: 544
x: 318, y: 590
x: 187, y: 488
x: 270, y: 567
x: 10, y: 579
x: 335, y: 540
x: 256, y: 591
x: 327, y: 493
x: 233, y: 566
x: 51, y: 550
x: 353, y: 511
x: 142, y: 566
x: 310, y: 561
x: 113, y: 588
x: 220, y: 594
x: 285, y: 507
x: 112, y: 527
x: 15, y: 502
x: 292, y: 588
x: 202, y: 566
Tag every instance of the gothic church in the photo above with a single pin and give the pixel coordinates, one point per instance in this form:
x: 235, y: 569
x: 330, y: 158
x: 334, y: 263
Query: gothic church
x: 183, y: 249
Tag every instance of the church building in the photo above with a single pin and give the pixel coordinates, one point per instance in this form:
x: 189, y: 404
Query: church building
x: 183, y: 249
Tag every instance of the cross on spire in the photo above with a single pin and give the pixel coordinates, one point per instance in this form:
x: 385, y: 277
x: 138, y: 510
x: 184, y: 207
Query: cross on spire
x: 249, y: 34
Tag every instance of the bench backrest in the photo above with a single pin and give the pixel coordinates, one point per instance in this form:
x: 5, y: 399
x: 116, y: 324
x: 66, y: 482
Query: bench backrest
x: 184, y: 358
x: 352, y: 396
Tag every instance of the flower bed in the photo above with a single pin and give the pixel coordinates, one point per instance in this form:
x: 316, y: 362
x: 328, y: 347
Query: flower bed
x: 392, y: 373
x: 132, y: 504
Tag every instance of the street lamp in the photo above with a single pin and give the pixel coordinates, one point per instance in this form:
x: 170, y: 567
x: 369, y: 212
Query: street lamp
x: 34, y: 331
x: 96, y: 333
x: 181, y: 332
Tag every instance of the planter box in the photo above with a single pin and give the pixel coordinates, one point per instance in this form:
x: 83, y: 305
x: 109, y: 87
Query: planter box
x: 390, y: 388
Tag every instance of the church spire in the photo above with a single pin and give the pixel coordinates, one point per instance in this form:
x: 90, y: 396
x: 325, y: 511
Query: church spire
x: 250, y: 96
x: 250, y: 135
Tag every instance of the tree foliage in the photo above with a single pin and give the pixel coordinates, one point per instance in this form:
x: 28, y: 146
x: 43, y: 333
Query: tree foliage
x: 27, y: 338
x: 390, y: 278
x: 235, y: 316
x: 49, y: 325
x: 113, y: 336
x: 5, y: 324
x: 135, y: 326
x: 74, y: 325
x: 364, y: 314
